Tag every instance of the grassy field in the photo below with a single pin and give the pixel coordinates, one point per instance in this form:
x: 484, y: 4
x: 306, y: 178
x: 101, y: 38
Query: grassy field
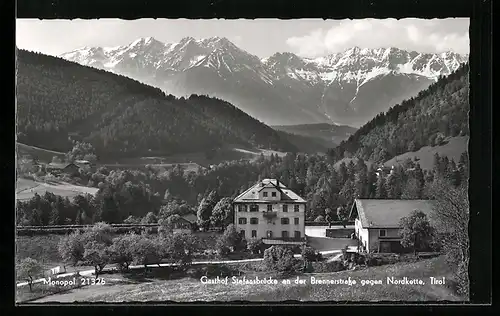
x: 26, y: 189
x: 43, y: 155
x: 44, y: 249
x: 190, y: 289
x: 453, y: 148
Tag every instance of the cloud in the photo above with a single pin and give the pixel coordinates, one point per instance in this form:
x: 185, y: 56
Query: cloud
x: 412, y: 34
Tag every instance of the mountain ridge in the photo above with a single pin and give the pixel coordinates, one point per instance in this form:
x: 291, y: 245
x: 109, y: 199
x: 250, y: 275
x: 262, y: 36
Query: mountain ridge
x: 347, y: 88
x: 58, y: 100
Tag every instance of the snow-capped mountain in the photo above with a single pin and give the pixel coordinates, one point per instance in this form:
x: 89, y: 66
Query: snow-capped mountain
x: 349, y: 87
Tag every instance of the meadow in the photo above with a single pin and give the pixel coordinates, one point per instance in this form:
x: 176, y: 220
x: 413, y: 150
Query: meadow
x: 191, y: 289
x: 26, y: 189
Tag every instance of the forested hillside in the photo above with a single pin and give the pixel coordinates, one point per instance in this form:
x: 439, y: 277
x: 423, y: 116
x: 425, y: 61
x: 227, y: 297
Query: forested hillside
x: 436, y: 113
x: 122, y: 117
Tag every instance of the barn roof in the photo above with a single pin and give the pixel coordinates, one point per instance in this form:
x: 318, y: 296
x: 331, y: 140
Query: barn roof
x: 252, y: 193
x: 190, y: 218
x: 55, y: 165
x: 387, y: 213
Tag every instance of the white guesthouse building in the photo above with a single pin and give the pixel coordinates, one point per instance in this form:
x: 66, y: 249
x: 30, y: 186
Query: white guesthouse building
x: 270, y: 211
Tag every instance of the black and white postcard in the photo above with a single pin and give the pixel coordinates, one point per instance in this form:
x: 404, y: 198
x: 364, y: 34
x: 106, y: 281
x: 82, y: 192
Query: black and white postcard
x: 259, y: 160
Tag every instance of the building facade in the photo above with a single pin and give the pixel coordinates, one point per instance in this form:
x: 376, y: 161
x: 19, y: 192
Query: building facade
x: 270, y: 211
x: 376, y: 226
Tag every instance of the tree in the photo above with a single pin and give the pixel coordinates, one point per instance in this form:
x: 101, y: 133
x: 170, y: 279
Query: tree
x: 255, y: 245
x: 231, y: 240
x: 150, y: 218
x: 205, y: 209
x: 27, y: 269
x: 411, y: 146
x: 415, y: 231
x: 100, y: 232
x: 54, y: 217
x: 167, y: 196
x: 279, y: 259
x: 96, y: 254
x: 121, y: 250
x: 71, y: 248
x: 411, y: 190
x: 310, y: 255
x: 81, y: 151
x: 342, y: 215
x: 348, y: 192
x: 180, y: 248
x: 145, y: 250
x: 451, y: 213
x: 380, y: 191
x: 371, y: 182
x: 222, y: 214
x: 319, y: 219
x: 329, y: 216
x: 132, y: 220
x: 393, y: 185
x: 167, y: 225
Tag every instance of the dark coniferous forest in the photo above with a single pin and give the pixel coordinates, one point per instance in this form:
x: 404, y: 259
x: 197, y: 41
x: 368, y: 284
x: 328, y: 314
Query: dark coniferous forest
x: 122, y: 117
x: 438, y: 112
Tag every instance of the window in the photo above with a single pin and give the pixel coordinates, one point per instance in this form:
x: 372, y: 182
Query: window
x: 273, y: 194
x: 296, y: 234
x: 254, y: 220
x: 254, y: 208
x: 285, y: 208
x: 242, y: 208
x: 296, y: 208
x: 242, y: 233
x: 284, y: 234
x: 382, y: 233
x: 265, y: 194
x: 242, y: 221
x: 269, y: 234
x: 285, y: 221
x: 269, y: 208
x: 296, y: 221
x: 254, y: 233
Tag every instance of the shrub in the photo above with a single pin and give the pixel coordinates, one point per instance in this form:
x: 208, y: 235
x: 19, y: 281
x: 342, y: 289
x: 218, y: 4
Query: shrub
x: 325, y: 267
x: 27, y: 269
x: 212, y: 271
x: 309, y: 254
x: 280, y: 260
x: 255, y: 246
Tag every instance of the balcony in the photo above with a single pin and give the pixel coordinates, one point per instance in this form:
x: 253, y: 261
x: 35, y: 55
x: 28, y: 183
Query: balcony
x: 270, y: 215
x: 284, y: 240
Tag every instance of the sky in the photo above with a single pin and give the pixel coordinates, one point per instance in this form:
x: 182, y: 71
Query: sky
x: 261, y: 37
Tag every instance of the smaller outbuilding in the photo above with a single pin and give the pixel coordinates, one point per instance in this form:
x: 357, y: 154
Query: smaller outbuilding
x: 376, y: 224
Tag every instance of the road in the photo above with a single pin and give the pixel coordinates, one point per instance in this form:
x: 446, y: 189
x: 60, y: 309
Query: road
x: 90, y: 272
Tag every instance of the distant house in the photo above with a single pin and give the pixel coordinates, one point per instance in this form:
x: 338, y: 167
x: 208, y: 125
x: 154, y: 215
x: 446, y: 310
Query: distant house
x: 384, y: 170
x: 60, y: 168
x: 83, y: 163
x: 185, y: 224
x: 270, y: 211
x: 377, y: 222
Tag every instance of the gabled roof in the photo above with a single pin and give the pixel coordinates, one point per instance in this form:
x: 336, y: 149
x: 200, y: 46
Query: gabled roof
x: 83, y: 162
x: 387, y: 213
x: 252, y: 193
x: 55, y: 165
x: 190, y: 218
